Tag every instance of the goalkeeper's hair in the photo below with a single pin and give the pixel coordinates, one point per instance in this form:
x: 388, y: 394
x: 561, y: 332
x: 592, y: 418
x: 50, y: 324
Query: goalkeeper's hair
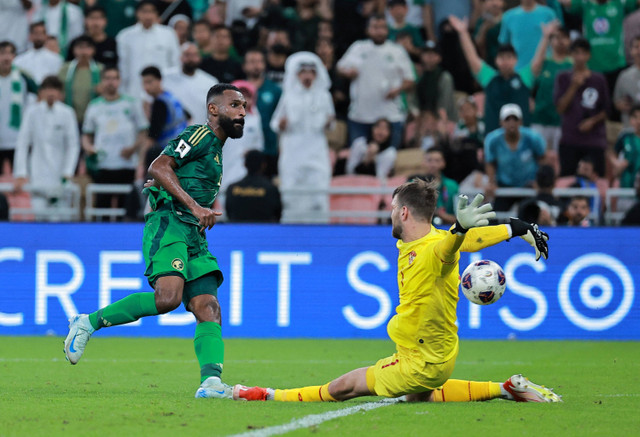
x: 419, y: 196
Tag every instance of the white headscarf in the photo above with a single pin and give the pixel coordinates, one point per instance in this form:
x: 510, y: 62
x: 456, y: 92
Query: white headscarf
x: 292, y: 67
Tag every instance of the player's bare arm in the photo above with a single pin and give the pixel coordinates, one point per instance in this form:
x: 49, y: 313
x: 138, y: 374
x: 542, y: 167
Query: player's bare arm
x: 162, y: 171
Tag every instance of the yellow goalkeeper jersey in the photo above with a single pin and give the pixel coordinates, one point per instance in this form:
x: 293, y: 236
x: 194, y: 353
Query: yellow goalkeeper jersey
x: 426, y: 316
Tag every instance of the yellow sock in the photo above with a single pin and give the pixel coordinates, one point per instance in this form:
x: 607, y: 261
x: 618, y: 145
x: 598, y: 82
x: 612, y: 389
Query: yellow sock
x: 314, y: 393
x: 455, y: 390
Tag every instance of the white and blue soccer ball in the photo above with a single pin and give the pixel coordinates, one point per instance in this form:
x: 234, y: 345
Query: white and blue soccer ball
x: 483, y: 282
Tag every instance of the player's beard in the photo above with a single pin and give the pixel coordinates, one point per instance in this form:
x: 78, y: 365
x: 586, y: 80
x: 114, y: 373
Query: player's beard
x: 396, y: 231
x: 230, y: 127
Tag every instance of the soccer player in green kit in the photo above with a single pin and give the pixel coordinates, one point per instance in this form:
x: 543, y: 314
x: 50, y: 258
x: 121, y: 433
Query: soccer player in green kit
x: 179, y: 265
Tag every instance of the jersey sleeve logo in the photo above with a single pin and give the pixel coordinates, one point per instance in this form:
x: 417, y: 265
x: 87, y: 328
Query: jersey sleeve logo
x: 183, y: 148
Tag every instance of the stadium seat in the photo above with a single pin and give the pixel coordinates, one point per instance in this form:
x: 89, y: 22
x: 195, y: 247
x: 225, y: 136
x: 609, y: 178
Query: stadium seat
x: 23, y: 201
x: 337, y: 137
x: 355, y: 202
x: 408, y: 162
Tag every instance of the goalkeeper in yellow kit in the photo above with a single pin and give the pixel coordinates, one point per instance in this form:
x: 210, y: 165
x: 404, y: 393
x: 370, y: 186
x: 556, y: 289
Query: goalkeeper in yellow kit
x: 423, y: 328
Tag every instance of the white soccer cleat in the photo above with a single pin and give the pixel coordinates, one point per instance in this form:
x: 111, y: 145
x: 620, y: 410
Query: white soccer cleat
x: 524, y: 390
x: 213, y: 387
x: 80, y: 331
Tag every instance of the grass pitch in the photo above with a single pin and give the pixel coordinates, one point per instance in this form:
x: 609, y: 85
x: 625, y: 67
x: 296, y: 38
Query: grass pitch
x: 140, y: 386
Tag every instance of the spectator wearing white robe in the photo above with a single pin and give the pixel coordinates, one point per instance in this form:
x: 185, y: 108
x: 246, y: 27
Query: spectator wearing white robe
x: 145, y: 44
x: 303, y: 112
x: 39, y: 62
x: 64, y: 20
x: 189, y: 84
x: 48, y: 147
x: 14, y: 23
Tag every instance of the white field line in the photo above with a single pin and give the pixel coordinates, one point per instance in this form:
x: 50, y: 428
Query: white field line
x: 316, y: 419
x: 231, y: 362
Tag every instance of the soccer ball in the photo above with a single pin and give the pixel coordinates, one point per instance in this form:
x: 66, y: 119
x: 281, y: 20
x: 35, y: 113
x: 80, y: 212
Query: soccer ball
x: 483, y: 282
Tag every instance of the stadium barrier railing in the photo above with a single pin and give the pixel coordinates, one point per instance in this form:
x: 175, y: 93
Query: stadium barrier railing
x: 91, y: 211
x: 614, y: 214
x: 65, y: 203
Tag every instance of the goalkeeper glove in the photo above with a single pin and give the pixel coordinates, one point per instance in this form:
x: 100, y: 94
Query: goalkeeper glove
x: 472, y: 215
x: 530, y: 233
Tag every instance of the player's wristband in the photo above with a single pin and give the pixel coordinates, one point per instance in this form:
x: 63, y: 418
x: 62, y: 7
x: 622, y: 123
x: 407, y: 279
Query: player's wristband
x: 458, y: 229
x: 518, y: 227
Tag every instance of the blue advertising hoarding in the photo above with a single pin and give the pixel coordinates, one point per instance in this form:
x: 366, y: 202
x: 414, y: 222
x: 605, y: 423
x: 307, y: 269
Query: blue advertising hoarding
x: 291, y: 281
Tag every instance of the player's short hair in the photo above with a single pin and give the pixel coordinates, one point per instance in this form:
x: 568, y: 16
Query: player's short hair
x: 254, y: 50
x: 219, y: 89
x: 504, y: 49
x: 51, y: 82
x: 587, y: 159
x: 142, y: 3
x: 635, y: 39
x: 564, y: 30
x: 93, y: 9
x: 203, y: 22
x: 109, y: 67
x: 634, y: 109
x: 580, y: 198
x: 9, y: 44
x: 436, y: 149
x: 545, y: 176
x: 580, y: 43
x: 419, y: 196
x: 376, y: 17
x: 84, y: 39
x: 219, y: 27
x: 35, y: 24
x: 253, y: 161
x: 152, y: 71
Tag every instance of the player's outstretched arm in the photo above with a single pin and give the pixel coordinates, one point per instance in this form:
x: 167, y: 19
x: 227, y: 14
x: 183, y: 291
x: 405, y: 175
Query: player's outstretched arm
x: 487, y: 236
x: 162, y: 171
x: 468, y: 216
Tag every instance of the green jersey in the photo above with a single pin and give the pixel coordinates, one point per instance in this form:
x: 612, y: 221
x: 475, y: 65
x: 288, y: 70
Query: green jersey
x: 602, y: 26
x: 545, y: 112
x: 198, y: 155
x: 628, y: 147
x: 500, y: 91
x: 448, y: 194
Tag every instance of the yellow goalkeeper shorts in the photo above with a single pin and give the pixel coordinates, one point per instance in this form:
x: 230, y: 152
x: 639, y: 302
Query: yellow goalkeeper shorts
x: 405, y: 372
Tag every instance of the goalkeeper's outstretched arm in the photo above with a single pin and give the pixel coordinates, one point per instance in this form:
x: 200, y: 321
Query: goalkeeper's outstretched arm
x: 487, y: 236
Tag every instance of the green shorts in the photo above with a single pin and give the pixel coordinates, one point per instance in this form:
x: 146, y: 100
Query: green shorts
x: 173, y: 247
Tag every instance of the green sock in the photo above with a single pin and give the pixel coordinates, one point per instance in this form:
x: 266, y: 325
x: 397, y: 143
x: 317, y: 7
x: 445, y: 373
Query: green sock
x: 209, y: 349
x: 126, y: 310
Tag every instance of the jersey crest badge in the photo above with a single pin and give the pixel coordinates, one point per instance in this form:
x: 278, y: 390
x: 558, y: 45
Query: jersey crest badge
x: 183, y: 148
x: 177, y: 264
x: 412, y: 256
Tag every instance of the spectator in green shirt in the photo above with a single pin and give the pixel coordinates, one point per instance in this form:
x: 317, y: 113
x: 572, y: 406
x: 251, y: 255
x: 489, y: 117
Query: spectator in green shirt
x: 487, y: 30
x: 602, y: 22
x: 502, y: 85
x: 627, y: 164
x: 546, y: 120
x: 398, y: 11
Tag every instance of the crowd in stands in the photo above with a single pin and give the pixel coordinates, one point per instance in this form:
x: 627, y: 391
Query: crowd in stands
x: 478, y: 95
